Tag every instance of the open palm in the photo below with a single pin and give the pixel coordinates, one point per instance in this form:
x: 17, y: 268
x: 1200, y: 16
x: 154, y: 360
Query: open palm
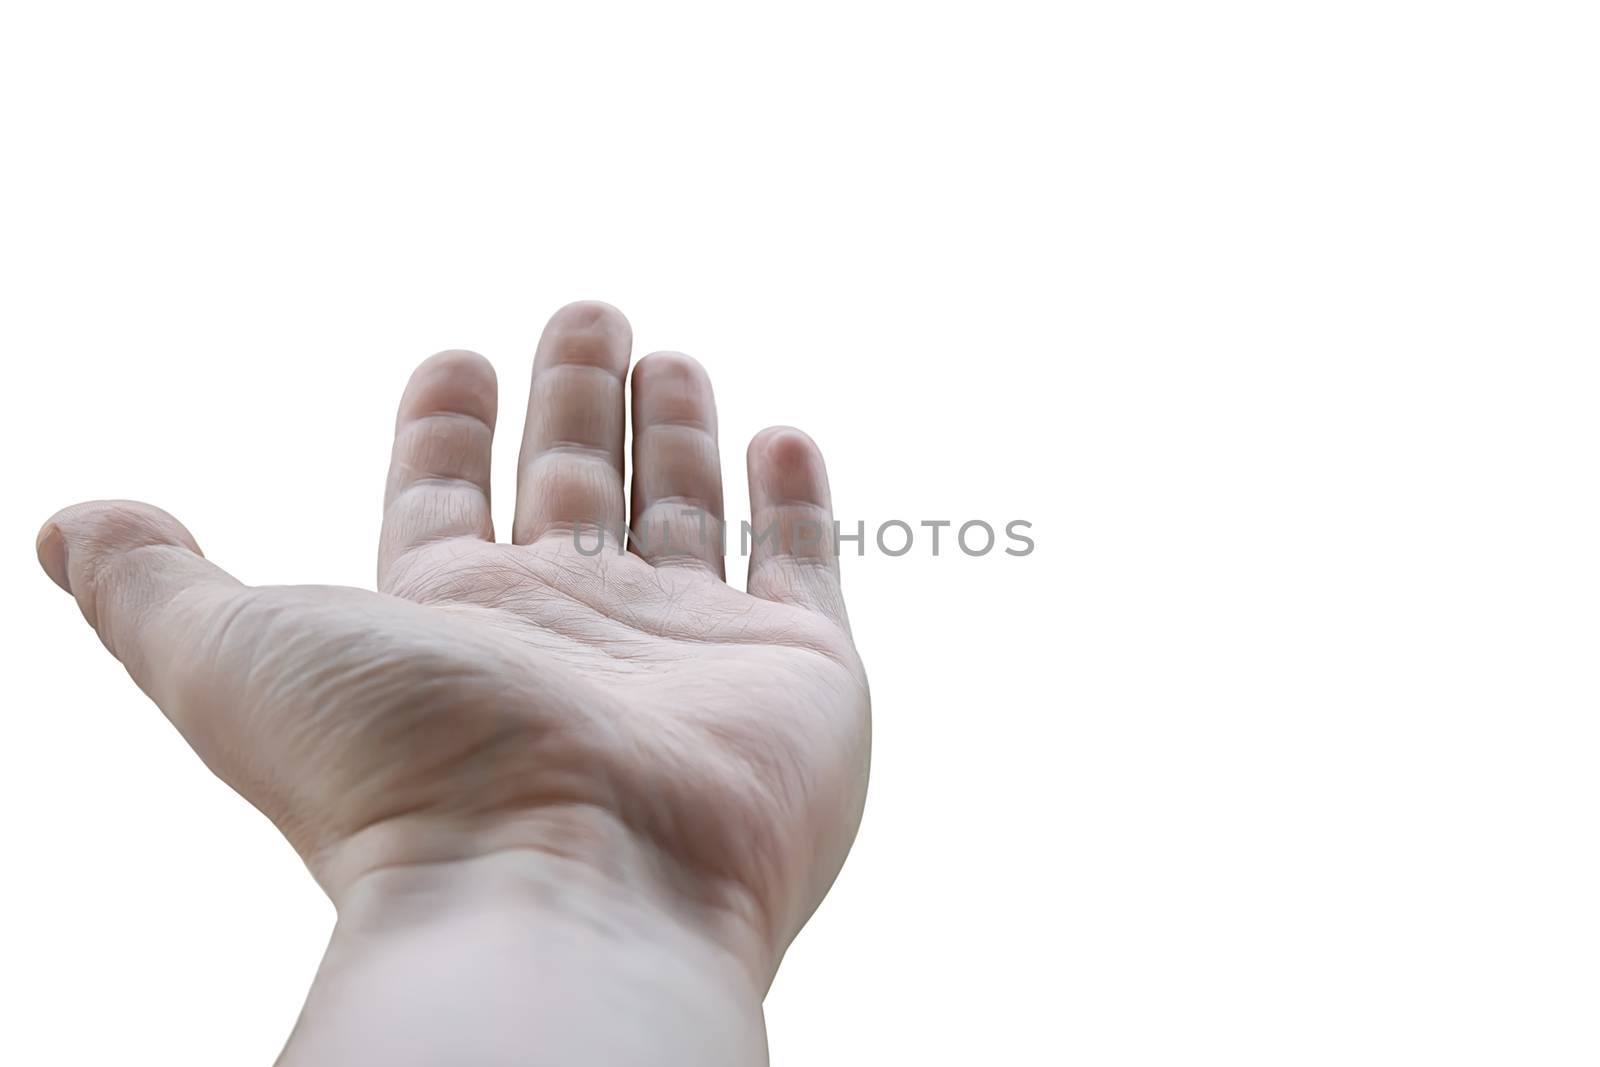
x: 537, y: 694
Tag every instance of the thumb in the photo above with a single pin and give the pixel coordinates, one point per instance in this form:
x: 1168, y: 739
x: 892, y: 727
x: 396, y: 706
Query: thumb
x: 141, y: 582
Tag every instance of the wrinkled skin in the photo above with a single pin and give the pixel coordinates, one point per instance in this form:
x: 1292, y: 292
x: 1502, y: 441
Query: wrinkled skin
x: 531, y: 694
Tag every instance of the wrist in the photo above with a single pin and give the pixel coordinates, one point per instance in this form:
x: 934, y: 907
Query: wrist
x: 561, y: 858
x: 557, y: 939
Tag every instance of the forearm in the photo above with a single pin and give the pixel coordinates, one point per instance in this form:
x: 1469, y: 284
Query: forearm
x: 523, y: 958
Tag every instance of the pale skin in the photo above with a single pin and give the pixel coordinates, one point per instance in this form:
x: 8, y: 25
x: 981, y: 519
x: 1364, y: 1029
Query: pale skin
x: 571, y: 806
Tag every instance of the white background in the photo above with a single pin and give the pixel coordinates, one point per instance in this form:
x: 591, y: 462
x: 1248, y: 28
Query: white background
x: 1278, y: 321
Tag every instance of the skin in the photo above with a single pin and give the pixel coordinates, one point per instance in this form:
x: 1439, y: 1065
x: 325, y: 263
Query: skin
x: 571, y: 806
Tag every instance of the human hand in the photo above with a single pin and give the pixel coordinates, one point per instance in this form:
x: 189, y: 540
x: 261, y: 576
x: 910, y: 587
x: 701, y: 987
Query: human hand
x: 630, y: 715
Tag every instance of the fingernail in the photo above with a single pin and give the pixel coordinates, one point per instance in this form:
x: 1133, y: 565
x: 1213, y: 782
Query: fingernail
x: 53, y: 554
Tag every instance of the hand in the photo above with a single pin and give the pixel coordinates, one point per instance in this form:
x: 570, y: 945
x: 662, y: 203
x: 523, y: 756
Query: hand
x: 627, y: 713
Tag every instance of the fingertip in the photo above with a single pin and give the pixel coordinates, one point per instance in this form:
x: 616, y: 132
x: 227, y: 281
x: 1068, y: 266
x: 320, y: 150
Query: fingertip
x: 786, y: 464
x: 670, y: 365
x: 671, y: 387
x: 75, y: 543
x: 459, y: 359
x: 587, y: 332
x: 588, y: 314
x: 101, y: 525
x: 456, y: 381
x: 784, y: 445
x: 52, y: 550
x: 120, y: 559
